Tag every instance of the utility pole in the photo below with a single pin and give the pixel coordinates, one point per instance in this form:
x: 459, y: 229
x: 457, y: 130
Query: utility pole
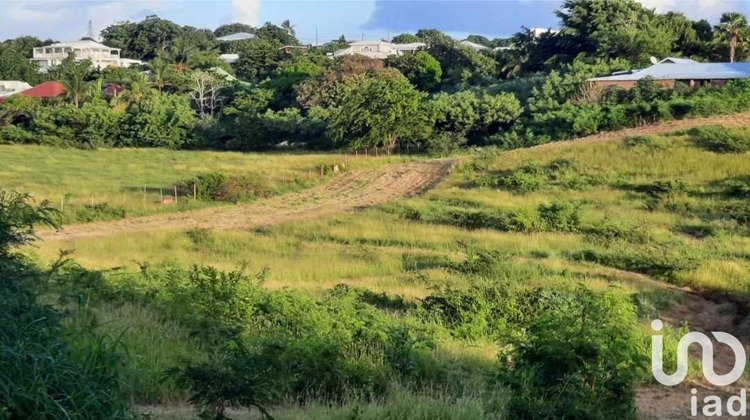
x: 91, y: 30
x: 316, y: 37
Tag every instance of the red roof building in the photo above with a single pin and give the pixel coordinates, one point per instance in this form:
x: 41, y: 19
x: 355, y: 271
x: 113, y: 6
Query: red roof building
x: 49, y: 89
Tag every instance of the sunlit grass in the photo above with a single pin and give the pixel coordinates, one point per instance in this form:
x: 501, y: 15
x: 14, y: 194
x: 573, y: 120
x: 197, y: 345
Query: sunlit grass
x: 118, y: 176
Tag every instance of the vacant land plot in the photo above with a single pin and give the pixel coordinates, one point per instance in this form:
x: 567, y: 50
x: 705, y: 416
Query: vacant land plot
x: 73, y: 178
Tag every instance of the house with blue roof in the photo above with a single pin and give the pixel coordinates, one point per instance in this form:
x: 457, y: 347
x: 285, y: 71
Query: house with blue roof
x: 671, y: 70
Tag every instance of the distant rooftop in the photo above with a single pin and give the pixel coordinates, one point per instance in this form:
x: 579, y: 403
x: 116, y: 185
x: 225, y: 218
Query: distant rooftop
x: 86, y: 43
x: 684, y: 71
x: 474, y: 45
x: 239, y: 36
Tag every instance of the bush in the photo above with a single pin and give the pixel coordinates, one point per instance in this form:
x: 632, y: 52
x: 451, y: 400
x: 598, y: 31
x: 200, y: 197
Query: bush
x: 93, y: 212
x: 578, y: 360
x: 720, y: 139
x: 524, y: 179
x: 48, y: 368
x: 216, y: 186
x: 560, y: 216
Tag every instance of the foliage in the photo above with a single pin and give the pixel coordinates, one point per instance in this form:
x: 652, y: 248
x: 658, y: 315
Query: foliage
x: 47, y: 369
x: 422, y: 70
x: 579, y: 360
x: 377, y: 110
x: 216, y: 186
x: 721, y: 140
x: 258, y: 60
x: 161, y: 121
x: 14, y: 65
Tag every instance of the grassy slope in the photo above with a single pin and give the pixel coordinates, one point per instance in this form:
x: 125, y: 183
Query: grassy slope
x: 117, y: 176
x: 377, y: 248
x: 368, y: 248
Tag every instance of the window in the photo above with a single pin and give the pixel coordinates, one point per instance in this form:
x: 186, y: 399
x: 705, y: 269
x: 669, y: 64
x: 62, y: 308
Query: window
x: 366, y: 49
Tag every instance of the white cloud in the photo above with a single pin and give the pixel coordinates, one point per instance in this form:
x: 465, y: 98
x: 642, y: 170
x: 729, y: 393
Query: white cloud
x: 245, y: 11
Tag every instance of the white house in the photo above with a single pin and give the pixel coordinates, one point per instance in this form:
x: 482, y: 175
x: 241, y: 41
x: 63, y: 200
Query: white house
x: 101, y: 56
x: 378, y: 49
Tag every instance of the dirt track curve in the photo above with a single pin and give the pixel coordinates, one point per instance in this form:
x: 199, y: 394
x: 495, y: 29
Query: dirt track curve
x: 356, y: 189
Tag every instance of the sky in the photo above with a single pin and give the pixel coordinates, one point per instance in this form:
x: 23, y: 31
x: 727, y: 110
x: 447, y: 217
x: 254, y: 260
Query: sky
x: 316, y: 19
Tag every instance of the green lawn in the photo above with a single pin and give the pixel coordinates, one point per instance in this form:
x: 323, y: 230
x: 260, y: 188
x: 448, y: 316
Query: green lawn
x: 118, y: 176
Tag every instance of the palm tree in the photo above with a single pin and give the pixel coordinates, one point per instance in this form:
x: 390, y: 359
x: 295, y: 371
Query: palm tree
x: 288, y: 27
x: 733, y: 27
x: 160, y: 70
x: 181, y: 53
x: 73, y: 77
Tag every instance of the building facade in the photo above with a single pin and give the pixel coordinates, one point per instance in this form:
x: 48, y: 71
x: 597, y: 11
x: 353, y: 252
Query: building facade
x: 101, y: 56
x: 378, y: 49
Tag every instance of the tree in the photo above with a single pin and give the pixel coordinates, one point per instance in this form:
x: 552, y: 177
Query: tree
x: 164, y: 120
x: 181, y: 53
x: 258, y: 60
x: 144, y: 40
x: 422, y: 69
x: 15, y: 66
x: 288, y: 27
x: 733, y: 28
x: 379, y: 107
x: 276, y: 34
x: 232, y: 28
x: 23, y: 44
x: 206, y: 92
x: 405, y: 39
x: 160, y: 70
x: 328, y: 88
x: 72, y: 74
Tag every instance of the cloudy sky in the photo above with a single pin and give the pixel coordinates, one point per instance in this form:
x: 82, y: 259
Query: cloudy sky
x: 68, y: 19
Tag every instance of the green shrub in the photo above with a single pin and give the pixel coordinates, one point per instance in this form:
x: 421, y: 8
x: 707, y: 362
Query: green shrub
x: 560, y: 216
x: 648, y: 142
x: 48, y: 368
x: 579, y: 359
x: 216, y: 186
x: 525, y: 179
x: 720, y: 139
x: 93, y: 212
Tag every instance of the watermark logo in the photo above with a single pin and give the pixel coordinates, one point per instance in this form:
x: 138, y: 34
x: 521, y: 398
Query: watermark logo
x: 657, y: 357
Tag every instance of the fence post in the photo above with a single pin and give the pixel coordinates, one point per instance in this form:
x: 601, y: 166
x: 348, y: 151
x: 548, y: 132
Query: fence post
x: 195, y: 192
x: 161, y: 195
x: 144, y: 195
x: 175, y: 194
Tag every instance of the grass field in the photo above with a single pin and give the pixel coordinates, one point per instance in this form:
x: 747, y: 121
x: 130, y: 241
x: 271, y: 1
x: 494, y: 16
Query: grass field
x: 372, y: 248
x: 630, y: 216
x: 72, y: 178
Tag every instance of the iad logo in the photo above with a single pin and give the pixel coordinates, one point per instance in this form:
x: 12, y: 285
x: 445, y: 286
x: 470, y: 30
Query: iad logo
x: 657, y: 354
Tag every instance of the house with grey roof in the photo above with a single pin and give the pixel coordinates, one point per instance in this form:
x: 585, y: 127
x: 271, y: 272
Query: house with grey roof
x: 239, y: 36
x: 671, y: 70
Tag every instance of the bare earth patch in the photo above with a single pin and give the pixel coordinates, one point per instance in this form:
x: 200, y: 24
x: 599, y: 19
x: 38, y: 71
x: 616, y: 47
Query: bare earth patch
x: 704, y: 312
x: 352, y: 190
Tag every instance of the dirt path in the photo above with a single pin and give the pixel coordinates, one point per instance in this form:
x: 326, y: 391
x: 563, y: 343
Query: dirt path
x: 731, y: 120
x: 704, y: 312
x: 356, y: 189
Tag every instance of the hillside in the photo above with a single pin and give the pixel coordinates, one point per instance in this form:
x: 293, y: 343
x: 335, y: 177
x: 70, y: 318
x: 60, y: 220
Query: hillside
x: 644, y: 217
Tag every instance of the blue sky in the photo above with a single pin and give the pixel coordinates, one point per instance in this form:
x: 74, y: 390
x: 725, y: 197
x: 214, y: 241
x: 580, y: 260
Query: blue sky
x: 66, y: 19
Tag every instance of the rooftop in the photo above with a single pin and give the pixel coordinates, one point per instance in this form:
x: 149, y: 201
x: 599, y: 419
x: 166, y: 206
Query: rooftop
x: 86, y: 43
x: 666, y: 70
x: 239, y: 36
x: 49, y: 89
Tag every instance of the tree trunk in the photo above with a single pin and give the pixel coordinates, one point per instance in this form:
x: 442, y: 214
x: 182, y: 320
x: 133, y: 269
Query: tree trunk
x: 732, y: 48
